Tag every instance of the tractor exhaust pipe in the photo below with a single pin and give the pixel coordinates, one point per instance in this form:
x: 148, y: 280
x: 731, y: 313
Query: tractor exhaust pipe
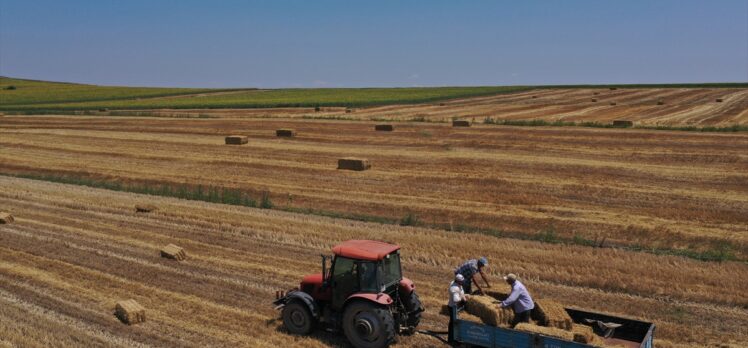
x: 324, y: 267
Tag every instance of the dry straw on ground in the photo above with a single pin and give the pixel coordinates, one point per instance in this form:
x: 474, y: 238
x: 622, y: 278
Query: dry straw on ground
x: 350, y: 163
x: 5, y: 218
x: 384, y: 127
x: 174, y: 252
x: 460, y: 123
x: 489, y: 310
x: 236, y: 139
x: 547, y: 331
x: 130, y: 312
x: 552, y: 313
x: 285, y: 132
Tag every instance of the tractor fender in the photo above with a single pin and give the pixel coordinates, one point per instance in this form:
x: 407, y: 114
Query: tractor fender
x: 305, y: 299
x: 380, y: 298
x: 407, y: 286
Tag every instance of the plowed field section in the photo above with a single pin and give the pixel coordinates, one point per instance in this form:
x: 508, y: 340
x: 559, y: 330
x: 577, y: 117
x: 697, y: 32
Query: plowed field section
x: 665, y: 190
x: 73, y: 252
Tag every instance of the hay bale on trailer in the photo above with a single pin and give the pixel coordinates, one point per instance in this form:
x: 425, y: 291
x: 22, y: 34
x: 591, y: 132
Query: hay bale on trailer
x: 547, y: 331
x: 6, y: 218
x: 145, y: 208
x: 460, y: 123
x: 583, y: 333
x: 384, y: 127
x: 718, y: 100
x: 623, y: 123
x: 130, y: 312
x: 173, y: 252
x: 350, y: 163
x: 551, y: 313
x: 489, y: 310
x: 285, y: 132
x: 236, y: 139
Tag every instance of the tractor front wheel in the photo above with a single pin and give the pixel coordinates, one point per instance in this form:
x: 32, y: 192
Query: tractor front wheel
x: 297, y: 318
x: 368, y: 325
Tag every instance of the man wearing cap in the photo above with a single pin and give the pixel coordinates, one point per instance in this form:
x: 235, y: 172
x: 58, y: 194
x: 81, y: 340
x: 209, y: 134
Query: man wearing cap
x: 469, y: 269
x: 519, y: 299
x: 457, y: 299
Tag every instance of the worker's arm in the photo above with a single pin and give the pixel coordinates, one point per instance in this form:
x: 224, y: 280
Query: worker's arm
x: 511, y: 299
x: 480, y: 290
x: 482, y: 275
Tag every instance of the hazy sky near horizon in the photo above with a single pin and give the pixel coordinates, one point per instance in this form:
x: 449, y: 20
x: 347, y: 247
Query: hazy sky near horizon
x: 338, y: 43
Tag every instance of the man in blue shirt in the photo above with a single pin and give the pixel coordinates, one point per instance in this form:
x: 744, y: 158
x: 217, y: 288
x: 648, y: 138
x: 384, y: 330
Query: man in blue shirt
x: 519, y: 299
x: 469, y: 269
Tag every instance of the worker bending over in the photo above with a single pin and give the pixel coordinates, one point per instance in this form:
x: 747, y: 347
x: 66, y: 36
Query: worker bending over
x: 519, y: 299
x: 469, y: 269
x: 457, y: 300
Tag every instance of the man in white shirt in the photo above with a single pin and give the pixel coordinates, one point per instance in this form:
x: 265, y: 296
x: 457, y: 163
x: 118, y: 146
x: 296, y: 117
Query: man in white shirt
x: 457, y: 299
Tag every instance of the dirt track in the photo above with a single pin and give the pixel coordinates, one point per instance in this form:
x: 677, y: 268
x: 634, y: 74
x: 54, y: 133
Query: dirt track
x: 631, y: 187
x: 74, y: 251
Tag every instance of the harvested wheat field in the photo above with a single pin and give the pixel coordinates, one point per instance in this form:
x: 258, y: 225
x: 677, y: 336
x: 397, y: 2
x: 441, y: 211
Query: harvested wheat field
x: 74, y: 252
x: 645, y: 106
x: 683, y: 192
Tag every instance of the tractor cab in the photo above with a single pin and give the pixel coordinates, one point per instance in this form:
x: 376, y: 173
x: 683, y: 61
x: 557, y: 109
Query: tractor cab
x: 362, y: 267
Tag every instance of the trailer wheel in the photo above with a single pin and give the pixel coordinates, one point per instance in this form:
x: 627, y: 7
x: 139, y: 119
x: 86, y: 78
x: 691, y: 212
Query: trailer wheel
x: 414, y: 307
x: 368, y: 325
x: 297, y: 318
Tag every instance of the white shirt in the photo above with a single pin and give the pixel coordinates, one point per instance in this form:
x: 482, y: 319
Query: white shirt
x: 456, y: 294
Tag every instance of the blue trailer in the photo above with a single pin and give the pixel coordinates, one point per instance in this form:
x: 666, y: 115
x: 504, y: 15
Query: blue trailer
x: 632, y: 333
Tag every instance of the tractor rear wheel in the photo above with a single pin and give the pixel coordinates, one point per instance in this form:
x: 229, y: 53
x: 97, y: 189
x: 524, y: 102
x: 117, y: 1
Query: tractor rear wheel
x: 368, y: 325
x: 297, y: 318
x: 414, y: 307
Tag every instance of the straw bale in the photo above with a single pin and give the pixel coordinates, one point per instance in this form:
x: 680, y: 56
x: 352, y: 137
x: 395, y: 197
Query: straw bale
x: 613, y: 88
x: 145, y: 208
x: 460, y: 123
x: 130, y: 312
x: 285, y: 133
x: 6, y: 218
x: 173, y: 252
x: 612, y: 103
x: 350, y: 163
x: 547, y: 331
x: 464, y: 315
x: 489, y: 310
x: 384, y: 127
x: 551, y: 313
x: 583, y: 333
x: 236, y: 139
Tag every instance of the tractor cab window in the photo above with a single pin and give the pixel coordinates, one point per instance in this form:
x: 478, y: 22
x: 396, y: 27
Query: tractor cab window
x: 392, y: 272
x: 367, y: 272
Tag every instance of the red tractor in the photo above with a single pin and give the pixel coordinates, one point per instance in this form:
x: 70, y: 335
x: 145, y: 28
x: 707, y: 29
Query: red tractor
x: 363, y: 293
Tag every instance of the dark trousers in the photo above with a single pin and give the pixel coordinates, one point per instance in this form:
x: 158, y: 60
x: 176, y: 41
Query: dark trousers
x: 451, y: 330
x: 467, y: 285
x: 522, y: 317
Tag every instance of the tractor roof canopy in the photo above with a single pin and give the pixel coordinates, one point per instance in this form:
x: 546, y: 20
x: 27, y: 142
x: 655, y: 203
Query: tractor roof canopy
x: 369, y: 250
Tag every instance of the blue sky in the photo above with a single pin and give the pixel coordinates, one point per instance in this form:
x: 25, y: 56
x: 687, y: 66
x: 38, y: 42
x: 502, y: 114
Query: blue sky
x: 374, y: 43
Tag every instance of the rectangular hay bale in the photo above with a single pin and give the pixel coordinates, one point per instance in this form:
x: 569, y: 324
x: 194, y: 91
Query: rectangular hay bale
x: 623, y: 123
x: 173, y: 252
x: 130, y: 312
x: 384, y: 127
x: 489, y: 310
x: 6, y: 218
x: 285, y: 132
x: 547, y: 331
x: 582, y: 333
x: 350, y: 163
x: 553, y: 314
x: 145, y: 208
x: 236, y: 139
x: 460, y: 123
